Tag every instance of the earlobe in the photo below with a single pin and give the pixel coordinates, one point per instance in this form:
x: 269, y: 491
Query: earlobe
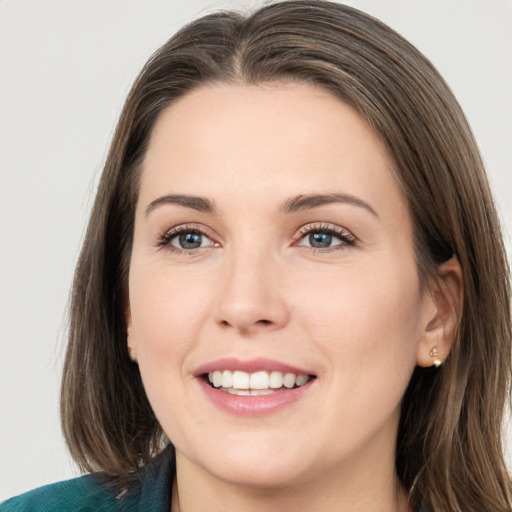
x: 443, y: 310
x: 130, y: 337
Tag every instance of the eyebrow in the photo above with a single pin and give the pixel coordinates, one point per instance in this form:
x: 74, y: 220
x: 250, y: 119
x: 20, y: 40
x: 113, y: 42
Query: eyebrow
x: 201, y: 204
x: 294, y: 204
x: 308, y: 201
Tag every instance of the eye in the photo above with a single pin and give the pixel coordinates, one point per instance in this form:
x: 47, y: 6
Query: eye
x: 325, y: 237
x: 185, y: 238
x: 191, y: 240
x: 321, y: 240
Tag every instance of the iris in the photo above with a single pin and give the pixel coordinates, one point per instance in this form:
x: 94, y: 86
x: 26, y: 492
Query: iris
x: 320, y: 240
x: 190, y: 240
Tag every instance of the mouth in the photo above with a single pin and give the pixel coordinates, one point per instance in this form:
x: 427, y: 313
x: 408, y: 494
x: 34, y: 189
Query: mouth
x: 254, y: 387
x: 242, y: 383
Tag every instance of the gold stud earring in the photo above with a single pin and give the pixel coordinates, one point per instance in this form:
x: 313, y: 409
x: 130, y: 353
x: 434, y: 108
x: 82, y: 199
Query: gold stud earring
x: 434, y: 353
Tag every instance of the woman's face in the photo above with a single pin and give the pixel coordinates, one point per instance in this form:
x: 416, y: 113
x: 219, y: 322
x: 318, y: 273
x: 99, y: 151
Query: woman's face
x: 273, y: 254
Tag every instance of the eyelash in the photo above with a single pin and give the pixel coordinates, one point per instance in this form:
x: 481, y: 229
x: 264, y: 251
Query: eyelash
x: 347, y: 239
x: 166, y: 239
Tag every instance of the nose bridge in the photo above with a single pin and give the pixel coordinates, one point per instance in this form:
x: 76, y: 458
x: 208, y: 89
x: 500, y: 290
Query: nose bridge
x: 250, y: 296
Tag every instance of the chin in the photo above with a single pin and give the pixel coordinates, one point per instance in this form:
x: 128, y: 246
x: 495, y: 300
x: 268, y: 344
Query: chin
x: 255, y: 465
x: 273, y: 475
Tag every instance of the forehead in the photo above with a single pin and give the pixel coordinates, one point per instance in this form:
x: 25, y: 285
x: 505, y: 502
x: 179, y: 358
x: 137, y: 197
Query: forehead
x: 284, y: 139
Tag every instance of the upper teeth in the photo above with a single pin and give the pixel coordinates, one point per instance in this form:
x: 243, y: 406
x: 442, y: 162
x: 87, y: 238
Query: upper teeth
x: 257, y: 380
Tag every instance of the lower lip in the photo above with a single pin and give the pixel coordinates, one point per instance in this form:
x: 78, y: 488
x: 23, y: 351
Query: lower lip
x: 257, y: 405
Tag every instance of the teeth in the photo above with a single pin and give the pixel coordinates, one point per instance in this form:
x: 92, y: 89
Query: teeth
x: 259, y: 380
x: 276, y: 380
x: 241, y: 380
x: 217, y: 379
x: 289, y: 380
x: 227, y: 379
x: 248, y: 392
x: 301, y: 380
x: 258, y: 383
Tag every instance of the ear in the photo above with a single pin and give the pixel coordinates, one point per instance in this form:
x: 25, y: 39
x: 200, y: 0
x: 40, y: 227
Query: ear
x: 130, y: 336
x: 442, y: 310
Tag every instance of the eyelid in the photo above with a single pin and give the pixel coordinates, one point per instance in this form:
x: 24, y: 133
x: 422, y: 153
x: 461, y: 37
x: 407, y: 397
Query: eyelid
x: 340, y: 232
x: 164, y: 239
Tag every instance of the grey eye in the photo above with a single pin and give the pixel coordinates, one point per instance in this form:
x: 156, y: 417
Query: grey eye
x: 190, y: 240
x: 320, y: 240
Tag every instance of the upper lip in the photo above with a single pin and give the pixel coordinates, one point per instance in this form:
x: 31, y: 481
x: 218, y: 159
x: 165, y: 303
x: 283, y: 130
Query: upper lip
x: 249, y: 366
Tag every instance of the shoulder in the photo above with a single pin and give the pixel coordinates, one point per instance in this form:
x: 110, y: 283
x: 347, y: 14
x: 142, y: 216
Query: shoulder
x: 83, y: 494
x: 151, y: 490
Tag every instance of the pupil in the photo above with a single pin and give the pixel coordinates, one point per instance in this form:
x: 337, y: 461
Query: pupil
x: 320, y: 240
x: 190, y: 240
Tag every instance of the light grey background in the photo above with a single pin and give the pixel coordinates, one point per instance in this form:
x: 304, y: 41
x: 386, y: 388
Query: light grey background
x: 65, y: 69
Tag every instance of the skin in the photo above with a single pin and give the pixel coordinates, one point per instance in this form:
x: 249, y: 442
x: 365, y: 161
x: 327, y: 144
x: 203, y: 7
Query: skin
x: 353, y: 313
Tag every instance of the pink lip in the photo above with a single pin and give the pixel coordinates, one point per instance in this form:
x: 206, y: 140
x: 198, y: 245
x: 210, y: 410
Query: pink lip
x: 251, y: 405
x: 251, y: 366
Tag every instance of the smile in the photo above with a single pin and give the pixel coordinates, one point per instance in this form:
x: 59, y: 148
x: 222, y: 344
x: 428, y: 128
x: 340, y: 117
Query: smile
x: 259, y: 383
x: 253, y: 387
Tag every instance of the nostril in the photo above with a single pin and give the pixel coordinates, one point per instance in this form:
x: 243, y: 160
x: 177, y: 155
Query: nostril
x: 226, y: 323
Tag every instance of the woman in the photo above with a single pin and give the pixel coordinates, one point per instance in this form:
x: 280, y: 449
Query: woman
x: 294, y: 272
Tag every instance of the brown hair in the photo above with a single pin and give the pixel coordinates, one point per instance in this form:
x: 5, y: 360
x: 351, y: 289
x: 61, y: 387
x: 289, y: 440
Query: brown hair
x: 449, y: 448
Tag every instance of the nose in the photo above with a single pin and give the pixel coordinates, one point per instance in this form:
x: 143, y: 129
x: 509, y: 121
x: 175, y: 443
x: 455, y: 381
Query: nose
x: 251, y: 296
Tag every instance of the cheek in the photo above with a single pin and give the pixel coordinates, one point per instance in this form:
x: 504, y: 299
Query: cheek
x: 165, y: 306
x: 166, y: 314
x: 365, y: 319
x: 367, y: 328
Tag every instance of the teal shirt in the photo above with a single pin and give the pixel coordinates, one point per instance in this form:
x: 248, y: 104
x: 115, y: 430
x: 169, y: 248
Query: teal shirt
x: 89, y: 493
